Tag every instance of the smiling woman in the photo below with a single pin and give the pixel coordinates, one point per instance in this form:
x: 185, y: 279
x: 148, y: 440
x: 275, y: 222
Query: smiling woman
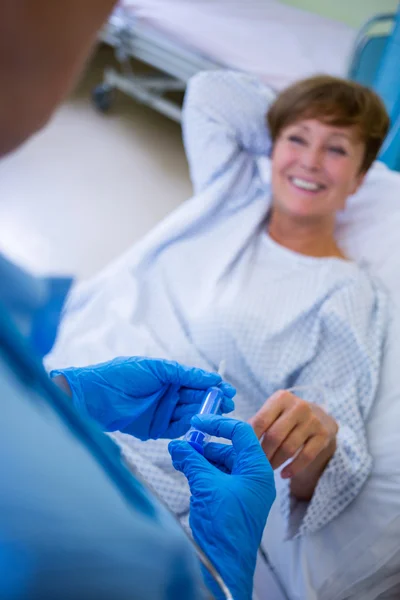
x: 326, y: 132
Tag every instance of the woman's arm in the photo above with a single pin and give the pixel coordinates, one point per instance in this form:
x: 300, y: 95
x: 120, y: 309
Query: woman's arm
x: 224, y: 126
x: 302, y: 485
x: 328, y: 444
x: 347, y: 366
x: 43, y: 47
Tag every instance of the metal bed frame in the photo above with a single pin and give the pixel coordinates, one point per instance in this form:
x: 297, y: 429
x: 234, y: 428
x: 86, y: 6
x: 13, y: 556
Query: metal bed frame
x: 132, y: 40
x: 369, y: 48
x: 375, y: 63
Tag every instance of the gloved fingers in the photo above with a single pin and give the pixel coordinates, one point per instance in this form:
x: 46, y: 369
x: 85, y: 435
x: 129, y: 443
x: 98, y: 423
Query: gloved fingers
x: 220, y: 455
x: 227, y: 405
x: 180, y: 421
x: 189, y: 462
x: 228, y: 389
x: 241, y: 433
x: 177, y: 429
x: 191, y: 377
x: 163, y: 404
x: 249, y: 457
x: 190, y: 396
x: 184, y: 410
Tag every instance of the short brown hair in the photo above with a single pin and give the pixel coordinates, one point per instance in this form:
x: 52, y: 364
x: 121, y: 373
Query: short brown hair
x: 336, y: 102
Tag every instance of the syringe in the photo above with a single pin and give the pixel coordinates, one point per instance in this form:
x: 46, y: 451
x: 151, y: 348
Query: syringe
x: 210, y: 406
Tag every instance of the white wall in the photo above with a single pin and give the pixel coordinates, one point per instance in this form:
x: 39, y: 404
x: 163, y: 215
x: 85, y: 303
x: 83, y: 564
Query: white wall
x: 352, y: 12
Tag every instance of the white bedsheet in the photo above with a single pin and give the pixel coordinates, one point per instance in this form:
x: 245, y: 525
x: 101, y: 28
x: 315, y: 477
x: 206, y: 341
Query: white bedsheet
x: 277, y: 42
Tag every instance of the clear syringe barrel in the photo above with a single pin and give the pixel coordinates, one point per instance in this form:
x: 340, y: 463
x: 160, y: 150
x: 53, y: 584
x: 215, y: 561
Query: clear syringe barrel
x: 210, y: 406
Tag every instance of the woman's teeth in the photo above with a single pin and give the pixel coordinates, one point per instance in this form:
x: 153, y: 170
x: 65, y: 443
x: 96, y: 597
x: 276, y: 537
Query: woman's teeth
x: 306, y: 185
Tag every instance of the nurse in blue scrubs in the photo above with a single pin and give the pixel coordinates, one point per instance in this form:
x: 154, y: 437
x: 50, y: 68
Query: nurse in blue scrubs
x: 74, y: 523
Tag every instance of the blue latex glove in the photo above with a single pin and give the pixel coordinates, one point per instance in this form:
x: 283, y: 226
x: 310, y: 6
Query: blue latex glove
x: 147, y: 398
x: 232, y: 489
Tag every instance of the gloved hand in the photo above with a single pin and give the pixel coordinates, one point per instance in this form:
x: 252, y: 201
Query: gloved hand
x: 147, y: 398
x: 232, y: 489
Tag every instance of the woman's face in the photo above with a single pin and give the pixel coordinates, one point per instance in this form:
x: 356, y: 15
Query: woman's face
x: 315, y: 167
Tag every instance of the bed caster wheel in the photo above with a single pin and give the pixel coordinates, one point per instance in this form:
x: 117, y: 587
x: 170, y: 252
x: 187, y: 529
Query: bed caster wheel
x: 103, y: 97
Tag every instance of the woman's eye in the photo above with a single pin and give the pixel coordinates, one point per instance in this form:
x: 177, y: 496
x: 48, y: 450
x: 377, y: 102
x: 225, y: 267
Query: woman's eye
x: 296, y: 139
x: 337, y: 150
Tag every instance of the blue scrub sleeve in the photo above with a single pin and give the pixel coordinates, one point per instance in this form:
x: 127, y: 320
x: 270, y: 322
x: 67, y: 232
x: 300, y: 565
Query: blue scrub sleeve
x: 46, y: 318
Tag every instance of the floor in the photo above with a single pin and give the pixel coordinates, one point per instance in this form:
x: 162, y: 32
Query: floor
x: 89, y: 185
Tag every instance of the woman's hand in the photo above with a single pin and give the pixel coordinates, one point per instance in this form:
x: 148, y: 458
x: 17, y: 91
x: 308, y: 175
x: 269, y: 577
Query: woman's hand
x: 289, y: 427
x: 232, y: 489
x: 145, y: 397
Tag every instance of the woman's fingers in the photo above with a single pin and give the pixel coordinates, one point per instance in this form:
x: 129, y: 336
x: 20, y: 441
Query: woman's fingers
x: 269, y: 412
x: 308, y: 454
x: 279, y: 431
x: 287, y: 425
x: 277, y: 419
x: 292, y: 444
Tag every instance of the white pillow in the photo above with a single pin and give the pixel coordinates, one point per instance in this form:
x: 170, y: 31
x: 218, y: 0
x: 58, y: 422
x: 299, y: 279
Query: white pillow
x: 358, y: 554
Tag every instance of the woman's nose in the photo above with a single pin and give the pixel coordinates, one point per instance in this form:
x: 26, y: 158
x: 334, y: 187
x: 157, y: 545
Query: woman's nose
x: 311, y: 158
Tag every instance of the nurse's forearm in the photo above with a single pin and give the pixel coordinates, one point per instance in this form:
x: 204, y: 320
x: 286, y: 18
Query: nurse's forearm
x: 43, y: 47
x: 302, y: 486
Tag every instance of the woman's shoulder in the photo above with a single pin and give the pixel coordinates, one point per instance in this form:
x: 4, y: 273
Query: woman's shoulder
x: 357, y: 292
x: 359, y: 275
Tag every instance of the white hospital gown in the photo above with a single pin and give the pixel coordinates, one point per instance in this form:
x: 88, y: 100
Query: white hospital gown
x: 210, y: 284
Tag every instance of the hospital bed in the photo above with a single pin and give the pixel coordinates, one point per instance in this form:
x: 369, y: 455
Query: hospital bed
x: 180, y: 38
x: 357, y: 556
